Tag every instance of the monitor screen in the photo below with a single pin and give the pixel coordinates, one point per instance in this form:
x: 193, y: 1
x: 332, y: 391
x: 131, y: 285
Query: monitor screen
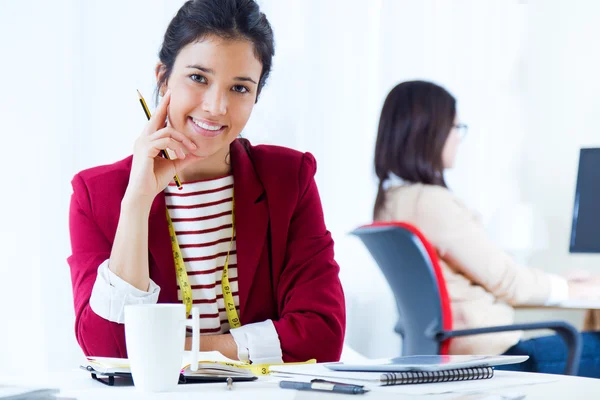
x: 585, y: 231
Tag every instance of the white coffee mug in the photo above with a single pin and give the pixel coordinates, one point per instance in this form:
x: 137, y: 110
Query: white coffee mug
x: 155, y: 339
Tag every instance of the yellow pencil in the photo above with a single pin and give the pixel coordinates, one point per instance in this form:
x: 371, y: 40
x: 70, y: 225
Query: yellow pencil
x: 163, y: 152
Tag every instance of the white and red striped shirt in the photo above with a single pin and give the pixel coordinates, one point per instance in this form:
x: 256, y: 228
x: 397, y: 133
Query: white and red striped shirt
x: 202, y: 218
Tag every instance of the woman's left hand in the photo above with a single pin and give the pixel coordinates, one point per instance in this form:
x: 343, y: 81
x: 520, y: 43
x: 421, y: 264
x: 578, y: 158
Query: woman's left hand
x: 580, y: 275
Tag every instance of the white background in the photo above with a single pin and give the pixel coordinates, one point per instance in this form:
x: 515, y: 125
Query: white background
x: 524, y: 73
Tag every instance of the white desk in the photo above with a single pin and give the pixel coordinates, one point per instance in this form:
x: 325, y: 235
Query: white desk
x: 570, y: 304
x: 581, y: 304
x: 77, y: 384
x: 592, y: 317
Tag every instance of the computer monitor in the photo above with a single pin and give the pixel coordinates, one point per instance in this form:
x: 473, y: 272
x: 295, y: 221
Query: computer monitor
x: 585, y: 230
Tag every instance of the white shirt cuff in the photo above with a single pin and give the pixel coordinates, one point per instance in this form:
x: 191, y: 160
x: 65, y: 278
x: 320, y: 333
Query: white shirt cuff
x: 559, y: 290
x: 111, y: 294
x: 258, y: 343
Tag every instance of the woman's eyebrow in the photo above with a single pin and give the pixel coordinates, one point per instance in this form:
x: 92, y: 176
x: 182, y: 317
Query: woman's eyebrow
x: 212, y: 72
x: 244, y: 79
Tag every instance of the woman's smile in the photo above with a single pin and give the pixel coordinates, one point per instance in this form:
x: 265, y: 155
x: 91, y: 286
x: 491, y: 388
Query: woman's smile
x: 206, y: 128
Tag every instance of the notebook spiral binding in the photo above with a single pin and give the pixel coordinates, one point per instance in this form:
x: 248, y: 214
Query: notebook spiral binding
x: 412, y: 377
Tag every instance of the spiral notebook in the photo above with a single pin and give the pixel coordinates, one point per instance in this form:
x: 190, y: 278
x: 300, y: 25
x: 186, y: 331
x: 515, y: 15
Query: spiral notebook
x: 448, y: 375
x: 319, y: 372
x: 400, y: 371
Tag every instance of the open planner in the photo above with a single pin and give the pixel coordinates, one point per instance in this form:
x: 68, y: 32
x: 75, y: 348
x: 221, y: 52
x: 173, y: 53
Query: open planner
x: 213, y: 369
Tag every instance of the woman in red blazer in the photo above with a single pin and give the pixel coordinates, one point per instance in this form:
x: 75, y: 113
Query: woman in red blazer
x: 214, y: 61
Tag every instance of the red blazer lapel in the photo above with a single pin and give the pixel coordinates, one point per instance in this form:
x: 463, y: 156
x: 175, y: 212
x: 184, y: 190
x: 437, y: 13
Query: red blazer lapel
x: 159, y: 245
x: 251, y: 219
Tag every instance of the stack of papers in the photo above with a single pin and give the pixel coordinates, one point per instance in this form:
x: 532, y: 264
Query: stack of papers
x: 401, y: 370
x: 502, y: 381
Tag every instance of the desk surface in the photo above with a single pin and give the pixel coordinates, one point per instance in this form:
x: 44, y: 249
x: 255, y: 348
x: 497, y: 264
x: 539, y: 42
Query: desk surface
x: 570, y: 304
x: 77, y: 384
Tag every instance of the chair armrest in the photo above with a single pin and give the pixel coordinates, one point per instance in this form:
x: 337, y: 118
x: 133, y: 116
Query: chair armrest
x: 566, y: 331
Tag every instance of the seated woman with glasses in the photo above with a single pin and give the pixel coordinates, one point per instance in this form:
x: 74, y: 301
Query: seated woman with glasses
x: 419, y: 132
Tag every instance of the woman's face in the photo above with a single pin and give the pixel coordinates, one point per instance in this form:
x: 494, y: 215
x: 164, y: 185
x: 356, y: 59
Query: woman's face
x: 213, y: 88
x: 451, y: 146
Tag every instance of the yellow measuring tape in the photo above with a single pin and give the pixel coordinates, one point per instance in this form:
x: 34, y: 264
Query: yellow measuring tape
x: 180, y: 271
x: 184, y: 282
x: 232, y: 315
x: 255, y: 369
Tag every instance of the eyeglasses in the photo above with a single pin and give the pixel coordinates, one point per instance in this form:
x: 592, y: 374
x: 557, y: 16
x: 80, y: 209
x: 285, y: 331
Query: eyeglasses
x: 462, y: 130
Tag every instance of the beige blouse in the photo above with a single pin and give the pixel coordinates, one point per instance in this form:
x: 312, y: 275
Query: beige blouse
x: 483, y: 282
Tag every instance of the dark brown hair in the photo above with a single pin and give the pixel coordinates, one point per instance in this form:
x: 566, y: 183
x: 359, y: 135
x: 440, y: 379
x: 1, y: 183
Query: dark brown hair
x: 228, y: 19
x: 415, y: 122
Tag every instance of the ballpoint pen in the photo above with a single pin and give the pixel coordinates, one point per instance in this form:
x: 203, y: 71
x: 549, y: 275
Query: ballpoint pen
x: 163, y: 152
x: 324, y: 387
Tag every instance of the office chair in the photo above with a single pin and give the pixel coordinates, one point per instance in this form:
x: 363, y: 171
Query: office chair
x: 410, y: 265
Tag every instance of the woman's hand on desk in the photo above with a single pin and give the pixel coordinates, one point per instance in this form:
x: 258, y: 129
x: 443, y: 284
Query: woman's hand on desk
x: 223, y: 343
x: 579, y: 275
x: 151, y: 173
x: 584, y: 289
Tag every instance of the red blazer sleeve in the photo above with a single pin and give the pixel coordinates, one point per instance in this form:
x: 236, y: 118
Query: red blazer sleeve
x: 90, y: 247
x: 311, y: 300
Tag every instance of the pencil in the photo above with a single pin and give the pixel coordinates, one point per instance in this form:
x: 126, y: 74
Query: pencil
x: 163, y: 152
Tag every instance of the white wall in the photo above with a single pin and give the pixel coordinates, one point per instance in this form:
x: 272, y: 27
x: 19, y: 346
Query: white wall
x: 559, y: 86
x: 341, y: 64
x: 70, y: 71
x: 560, y: 91
x: 37, y: 124
x: 523, y: 73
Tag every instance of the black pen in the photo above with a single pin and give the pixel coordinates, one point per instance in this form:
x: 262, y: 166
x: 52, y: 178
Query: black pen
x: 323, y: 386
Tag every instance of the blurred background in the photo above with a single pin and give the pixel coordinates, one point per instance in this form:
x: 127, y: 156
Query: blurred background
x: 525, y: 74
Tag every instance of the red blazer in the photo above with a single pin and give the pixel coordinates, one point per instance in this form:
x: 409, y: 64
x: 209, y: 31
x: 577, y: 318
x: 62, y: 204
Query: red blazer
x: 286, y: 267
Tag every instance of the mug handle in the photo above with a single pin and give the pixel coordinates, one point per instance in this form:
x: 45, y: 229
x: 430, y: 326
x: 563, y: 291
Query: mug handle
x: 195, y: 325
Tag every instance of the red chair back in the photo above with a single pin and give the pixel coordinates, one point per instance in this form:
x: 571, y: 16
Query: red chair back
x: 399, y: 247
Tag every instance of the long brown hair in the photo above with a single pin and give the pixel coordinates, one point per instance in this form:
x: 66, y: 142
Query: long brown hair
x: 416, y: 120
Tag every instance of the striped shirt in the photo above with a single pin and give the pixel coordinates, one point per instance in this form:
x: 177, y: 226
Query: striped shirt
x: 202, y: 218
